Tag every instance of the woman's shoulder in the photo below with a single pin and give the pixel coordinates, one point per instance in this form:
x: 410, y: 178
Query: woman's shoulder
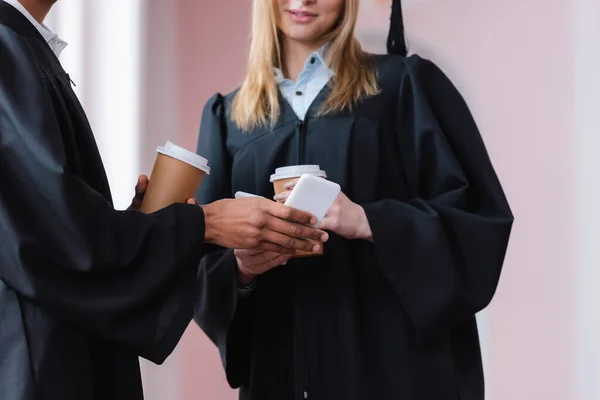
x: 392, y: 70
x: 219, y: 104
x: 221, y: 99
x: 392, y: 67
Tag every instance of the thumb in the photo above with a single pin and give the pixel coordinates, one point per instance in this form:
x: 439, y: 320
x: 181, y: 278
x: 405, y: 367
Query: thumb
x: 192, y: 201
x: 326, y: 224
x: 282, y: 197
x: 143, y: 179
x: 291, y: 184
x: 142, y: 184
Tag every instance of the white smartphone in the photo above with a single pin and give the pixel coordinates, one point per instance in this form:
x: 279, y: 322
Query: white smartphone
x: 243, y: 195
x: 314, y: 195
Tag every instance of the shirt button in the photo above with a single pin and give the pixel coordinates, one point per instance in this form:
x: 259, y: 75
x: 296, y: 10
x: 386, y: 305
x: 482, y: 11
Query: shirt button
x: 312, y: 60
x: 298, y: 93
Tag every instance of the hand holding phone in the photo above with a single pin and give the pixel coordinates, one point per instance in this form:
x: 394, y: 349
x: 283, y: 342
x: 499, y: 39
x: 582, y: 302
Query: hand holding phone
x: 314, y: 195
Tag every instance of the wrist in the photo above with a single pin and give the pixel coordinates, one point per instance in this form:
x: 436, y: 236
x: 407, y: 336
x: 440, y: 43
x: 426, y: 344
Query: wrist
x: 209, y: 224
x: 364, y: 227
x: 244, y: 277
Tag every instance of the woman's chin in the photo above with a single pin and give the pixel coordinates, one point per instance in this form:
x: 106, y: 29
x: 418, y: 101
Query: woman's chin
x: 304, y: 36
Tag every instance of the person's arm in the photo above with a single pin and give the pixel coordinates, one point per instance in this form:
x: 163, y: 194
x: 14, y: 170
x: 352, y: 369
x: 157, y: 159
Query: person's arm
x: 122, y: 275
x: 444, y: 249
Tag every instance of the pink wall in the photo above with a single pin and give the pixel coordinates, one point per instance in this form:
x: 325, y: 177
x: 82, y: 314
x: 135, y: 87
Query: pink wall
x: 212, y: 43
x: 510, y: 59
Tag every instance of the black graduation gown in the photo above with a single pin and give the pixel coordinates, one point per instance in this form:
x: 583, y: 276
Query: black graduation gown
x: 84, y: 289
x: 389, y: 320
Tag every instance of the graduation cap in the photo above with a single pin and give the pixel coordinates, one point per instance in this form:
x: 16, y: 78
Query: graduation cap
x: 396, y: 43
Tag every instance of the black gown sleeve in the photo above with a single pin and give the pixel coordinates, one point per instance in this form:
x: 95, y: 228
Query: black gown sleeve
x: 223, y: 314
x: 443, y: 250
x: 125, y: 276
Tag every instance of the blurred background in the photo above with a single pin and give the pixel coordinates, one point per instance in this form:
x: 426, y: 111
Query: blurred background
x: 530, y: 71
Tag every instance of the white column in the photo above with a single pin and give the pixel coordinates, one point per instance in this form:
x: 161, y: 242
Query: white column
x: 112, y: 80
x: 103, y: 59
x: 585, y: 377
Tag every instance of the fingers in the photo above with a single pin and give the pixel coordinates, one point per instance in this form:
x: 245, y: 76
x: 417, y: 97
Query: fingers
x: 287, y: 213
x: 331, y: 222
x: 267, y: 257
x: 282, y: 197
x: 140, y: 190
x: 287, y: 242
x: 141, y: 186
x: 192, y: 201
x: 326, y: 224
x: 256, y: 262
x: 275, y: 248
x: 244, y: 253
x: 296, y: 230
x: 291, y: 184
x: 282, y: 259
x: 143, y: 179
x: 279, y: 259
x: 136, y: 202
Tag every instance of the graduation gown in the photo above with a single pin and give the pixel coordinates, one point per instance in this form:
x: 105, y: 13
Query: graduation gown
x: 385, y: 321
x: 84, y: 289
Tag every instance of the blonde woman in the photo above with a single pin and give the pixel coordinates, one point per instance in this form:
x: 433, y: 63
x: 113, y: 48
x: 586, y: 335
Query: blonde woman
x: 417, y: 240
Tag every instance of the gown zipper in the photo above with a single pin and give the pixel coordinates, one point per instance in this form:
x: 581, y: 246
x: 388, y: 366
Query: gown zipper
x: 301, y: 160
x: 301, y: 141
x: 305, y: 382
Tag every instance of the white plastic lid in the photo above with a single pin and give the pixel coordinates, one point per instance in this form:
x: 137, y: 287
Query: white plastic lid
x: 185, y: 155
x: 296, y: 171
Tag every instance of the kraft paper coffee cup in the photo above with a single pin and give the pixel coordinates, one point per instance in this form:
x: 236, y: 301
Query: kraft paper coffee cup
x: 284, y: 175
x: 176, y: 176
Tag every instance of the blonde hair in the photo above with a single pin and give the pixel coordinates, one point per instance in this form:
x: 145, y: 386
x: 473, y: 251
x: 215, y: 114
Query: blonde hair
x: 257, y: 101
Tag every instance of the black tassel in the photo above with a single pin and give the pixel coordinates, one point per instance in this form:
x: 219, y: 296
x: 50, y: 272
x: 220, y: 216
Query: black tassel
x: 396, y: 43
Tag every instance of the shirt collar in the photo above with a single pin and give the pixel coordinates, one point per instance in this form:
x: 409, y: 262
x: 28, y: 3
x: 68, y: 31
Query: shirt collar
x: 56, y: 44
x: 319, y: 57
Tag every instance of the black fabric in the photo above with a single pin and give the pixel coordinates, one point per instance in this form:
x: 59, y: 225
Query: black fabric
x: 84, y: 289
x: 390, y: 320
x: 396, y: 43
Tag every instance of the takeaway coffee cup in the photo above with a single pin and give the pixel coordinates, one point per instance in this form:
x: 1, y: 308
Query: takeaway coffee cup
x: 286, y: 174
x: 176, y: 175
